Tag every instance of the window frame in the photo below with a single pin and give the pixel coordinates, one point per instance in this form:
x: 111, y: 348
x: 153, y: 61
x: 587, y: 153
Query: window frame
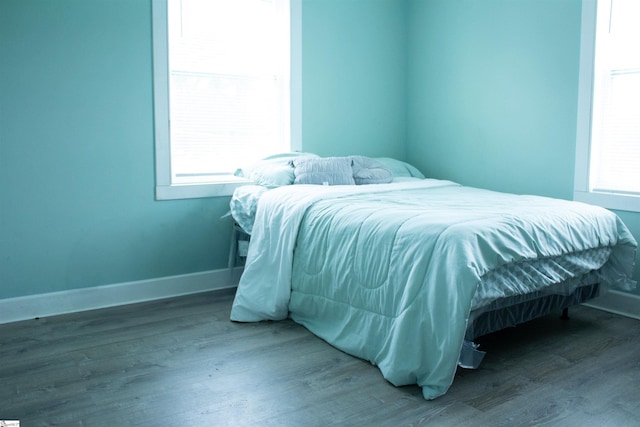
x: 582, y: 191
x: 164, y: 188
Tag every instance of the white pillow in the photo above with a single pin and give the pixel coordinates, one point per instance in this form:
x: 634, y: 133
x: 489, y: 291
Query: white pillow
x: 400, y: 168
x: 272, y: 171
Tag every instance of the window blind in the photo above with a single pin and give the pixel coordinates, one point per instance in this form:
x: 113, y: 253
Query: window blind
x: 615, y: 151
x: 229, y: 85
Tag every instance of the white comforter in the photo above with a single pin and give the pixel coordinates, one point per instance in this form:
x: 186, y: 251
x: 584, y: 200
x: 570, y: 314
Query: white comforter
x: 388, y: 272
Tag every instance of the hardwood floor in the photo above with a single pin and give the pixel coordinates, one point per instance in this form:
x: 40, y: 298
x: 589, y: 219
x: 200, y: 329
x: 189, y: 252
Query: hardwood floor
x: 182, y: 362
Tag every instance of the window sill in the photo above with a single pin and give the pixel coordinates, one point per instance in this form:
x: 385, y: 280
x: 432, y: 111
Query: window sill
x: 622, y: 202
x: 200, y: 190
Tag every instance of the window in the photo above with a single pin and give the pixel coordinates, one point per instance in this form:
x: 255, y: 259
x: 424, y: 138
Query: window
x: 608, y: 132
x: 226, y: 90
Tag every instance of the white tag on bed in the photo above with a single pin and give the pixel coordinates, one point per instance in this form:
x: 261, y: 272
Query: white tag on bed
x: 243, y: 248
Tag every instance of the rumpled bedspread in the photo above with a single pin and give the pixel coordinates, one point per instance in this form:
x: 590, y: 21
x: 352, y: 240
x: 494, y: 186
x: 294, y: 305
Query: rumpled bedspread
x: 388, y: 272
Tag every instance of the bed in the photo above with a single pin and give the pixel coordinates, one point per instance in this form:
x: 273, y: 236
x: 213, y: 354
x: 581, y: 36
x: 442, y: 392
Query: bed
x: 406, y: 272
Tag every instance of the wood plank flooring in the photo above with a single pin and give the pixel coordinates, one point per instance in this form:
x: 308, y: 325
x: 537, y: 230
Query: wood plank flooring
x: 182, y: 362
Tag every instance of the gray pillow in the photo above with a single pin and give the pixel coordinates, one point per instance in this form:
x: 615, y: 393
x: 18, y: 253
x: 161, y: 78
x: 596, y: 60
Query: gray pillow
x: 323, y: 171
x: 369, y: 171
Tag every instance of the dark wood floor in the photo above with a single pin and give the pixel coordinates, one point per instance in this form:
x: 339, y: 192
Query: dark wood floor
x: 182, y: 362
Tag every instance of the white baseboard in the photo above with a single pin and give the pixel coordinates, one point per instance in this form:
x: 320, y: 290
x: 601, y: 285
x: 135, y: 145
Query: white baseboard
x: 618, y: 302
x: 75, y: 300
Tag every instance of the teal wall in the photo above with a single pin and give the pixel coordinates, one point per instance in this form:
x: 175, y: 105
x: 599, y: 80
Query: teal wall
x: 354, y: 77
x: 77, y: 154
x: 493, y: 94
x: 482, y: 92
x: 77, y: 204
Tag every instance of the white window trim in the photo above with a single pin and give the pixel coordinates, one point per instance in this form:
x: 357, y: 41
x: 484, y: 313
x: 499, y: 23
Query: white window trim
x: 581, y: 191
x: 165, y: 190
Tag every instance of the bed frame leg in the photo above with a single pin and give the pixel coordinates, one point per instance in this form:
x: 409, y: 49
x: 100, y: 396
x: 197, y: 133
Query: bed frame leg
x: 565, y: 313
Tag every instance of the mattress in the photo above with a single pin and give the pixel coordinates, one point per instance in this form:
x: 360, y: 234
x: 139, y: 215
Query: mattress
x: 392, y: 273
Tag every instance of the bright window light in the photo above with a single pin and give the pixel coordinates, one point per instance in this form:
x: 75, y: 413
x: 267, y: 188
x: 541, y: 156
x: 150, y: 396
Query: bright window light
x: 228, y: 85
x: 615, y: 131
x: 608, y: 120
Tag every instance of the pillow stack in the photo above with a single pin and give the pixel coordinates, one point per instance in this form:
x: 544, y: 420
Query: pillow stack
x: 308, y: 168
x: 352, y: 170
